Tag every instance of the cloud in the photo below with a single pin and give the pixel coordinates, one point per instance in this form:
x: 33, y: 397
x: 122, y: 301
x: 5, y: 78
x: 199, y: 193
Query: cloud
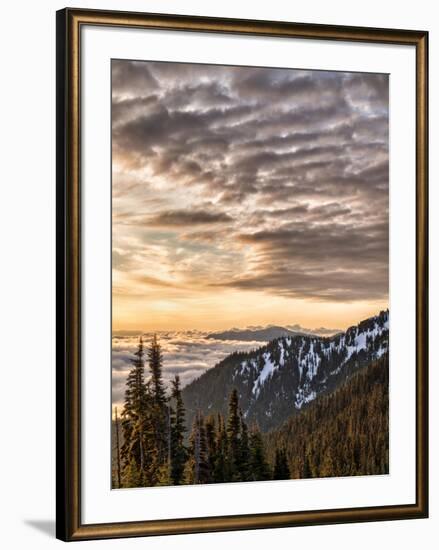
x: 187, y: 218
x: 187, y: 354
x: 252, y: 179
x: 133, y: 77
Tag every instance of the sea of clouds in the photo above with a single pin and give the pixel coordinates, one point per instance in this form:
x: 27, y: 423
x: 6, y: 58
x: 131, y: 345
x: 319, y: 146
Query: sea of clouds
x: 187, y: 354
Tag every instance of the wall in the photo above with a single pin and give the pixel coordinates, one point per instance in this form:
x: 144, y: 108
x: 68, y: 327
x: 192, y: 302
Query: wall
x: 27, y: 238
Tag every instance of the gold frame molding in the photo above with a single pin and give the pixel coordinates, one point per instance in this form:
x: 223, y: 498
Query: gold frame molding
x: 69, y: 526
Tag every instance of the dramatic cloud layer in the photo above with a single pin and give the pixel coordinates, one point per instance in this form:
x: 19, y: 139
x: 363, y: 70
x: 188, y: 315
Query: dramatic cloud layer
x: 232, y: 183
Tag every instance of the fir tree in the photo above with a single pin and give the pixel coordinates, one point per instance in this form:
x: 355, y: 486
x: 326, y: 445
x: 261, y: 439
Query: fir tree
x: 132, y: 476
x: 118, y: 467
x: 244, y: 452
x: 177, y: 449
x: 233, y: 435
x: 259, y: 468
x: 197, y: 469
x: 281, y: 469
x: 152, y: 462
x: 327, y: 468
x: 155, y: 362
x: 158, y: 410
x: 163, y: 474
x: 307, y: 471
x: 133, y: 418
x: 211, y: 439
x: 221, y: 472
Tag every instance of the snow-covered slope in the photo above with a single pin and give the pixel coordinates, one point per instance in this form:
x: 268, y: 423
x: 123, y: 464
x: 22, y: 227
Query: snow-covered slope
x: 280, y: 378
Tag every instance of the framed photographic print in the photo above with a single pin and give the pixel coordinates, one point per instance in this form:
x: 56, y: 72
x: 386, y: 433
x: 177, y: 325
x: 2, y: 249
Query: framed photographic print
x: 242, y: 274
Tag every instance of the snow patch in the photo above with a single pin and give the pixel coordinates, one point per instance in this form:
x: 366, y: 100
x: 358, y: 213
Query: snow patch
x: 266, y: 371
x: 303, y: 397
x: 282, y: 355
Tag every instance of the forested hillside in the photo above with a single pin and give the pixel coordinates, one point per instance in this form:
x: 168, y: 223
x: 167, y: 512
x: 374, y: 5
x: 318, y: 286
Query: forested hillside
x: 343, y: 433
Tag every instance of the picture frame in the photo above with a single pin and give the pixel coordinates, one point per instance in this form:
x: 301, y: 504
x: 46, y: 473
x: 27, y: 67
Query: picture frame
x: 72, y: 234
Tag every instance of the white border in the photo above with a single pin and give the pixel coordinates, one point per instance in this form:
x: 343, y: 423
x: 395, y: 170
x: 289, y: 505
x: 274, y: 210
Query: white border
x: 99, y: 503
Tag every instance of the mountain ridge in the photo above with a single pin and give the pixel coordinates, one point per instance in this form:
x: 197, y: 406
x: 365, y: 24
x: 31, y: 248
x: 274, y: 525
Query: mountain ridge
x: 277, y: 379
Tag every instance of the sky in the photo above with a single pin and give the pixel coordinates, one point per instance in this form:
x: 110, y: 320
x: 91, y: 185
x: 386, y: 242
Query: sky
x: 246, y: 196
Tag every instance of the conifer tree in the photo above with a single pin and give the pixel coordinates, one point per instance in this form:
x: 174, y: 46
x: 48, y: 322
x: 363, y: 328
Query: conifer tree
x: 155, y: 362
x: 221, y: 472
x: 177, y: 451
x: 327, y: 468
x: 132, y: 475
x: 211, y: 439
x: 163, y: 474
x: 233, y: 435
x: 133, y: 419
x: 244, y: 452
x: 197, y: 469
x: 260, y: 470
x: 281, y: 469
x: 118, y: 467
x: 307, y: 467
x: 159, y: 410
x: 152, y: 462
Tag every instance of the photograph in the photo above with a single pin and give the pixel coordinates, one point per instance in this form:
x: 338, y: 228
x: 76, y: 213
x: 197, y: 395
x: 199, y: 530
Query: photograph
x: 250, y: 274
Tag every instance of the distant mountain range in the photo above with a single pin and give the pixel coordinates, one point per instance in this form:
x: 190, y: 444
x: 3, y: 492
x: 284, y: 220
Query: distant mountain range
x: 264, y: 334
x: 280, y: 378
x: 268, y: 333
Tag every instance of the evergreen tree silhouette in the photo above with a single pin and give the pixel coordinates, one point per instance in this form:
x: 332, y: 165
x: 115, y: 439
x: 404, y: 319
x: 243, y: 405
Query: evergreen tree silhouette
x: 233, y: 436
x: 260, y: 470
x: 159, y: 409
x: 132, y: 452
x: 177, y: 451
